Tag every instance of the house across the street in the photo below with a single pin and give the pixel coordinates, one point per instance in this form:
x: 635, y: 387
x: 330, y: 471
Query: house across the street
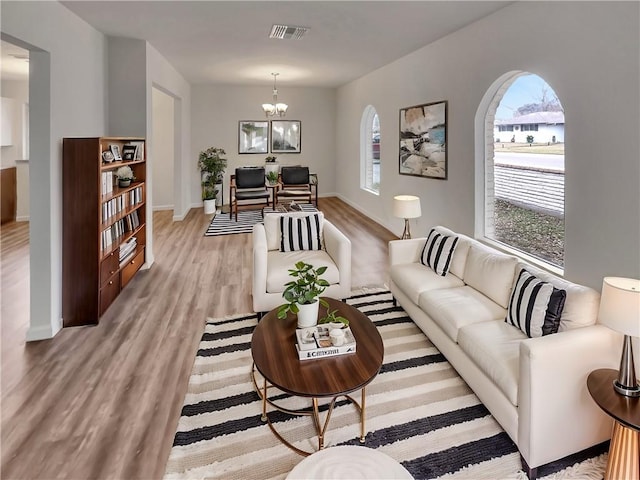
x: 545, y: 127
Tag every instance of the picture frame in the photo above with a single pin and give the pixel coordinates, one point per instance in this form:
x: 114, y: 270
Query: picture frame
x: 423, y: 140
x: 253, y: 136
x: 115, y: 149
x: 129, y: 152
x: 107, y: 156
x: 286, y: 136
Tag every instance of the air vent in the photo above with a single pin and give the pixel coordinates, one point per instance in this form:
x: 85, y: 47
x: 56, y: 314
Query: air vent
x: 287, y: 32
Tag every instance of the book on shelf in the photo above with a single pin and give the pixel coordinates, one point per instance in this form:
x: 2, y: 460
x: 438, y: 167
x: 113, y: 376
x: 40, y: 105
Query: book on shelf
x: 314, y: 342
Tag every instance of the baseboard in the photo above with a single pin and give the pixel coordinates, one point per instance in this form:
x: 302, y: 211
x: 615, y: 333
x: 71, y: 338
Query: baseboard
x: 24, y: 218
x: 159, y: 208
x: 42, y: 332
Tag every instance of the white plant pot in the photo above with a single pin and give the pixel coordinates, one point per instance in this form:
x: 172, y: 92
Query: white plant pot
x: 271, y: 167
x: 209, y: 207
x: 308, y: 314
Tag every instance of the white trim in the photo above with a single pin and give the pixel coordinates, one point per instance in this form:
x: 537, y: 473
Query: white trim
x: 366, y: 151
x: 363, y: 212
x: 159, y: 208
x: 22, y: 218
x: 43, y: 332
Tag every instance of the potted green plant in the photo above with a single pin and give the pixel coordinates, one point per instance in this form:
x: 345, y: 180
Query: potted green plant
x: 212, y: 166
x: 335, y: 320
x: 270, y: 165
x: 272, y: 178
x: 125, y: 175
x: 303, y: 294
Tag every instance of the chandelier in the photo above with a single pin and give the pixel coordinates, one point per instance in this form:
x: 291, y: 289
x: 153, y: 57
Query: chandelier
x: 275, y: 108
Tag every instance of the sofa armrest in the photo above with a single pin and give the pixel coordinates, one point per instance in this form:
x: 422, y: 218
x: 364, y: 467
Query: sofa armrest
x: 557, y: 415
x: 338, y: 247
x: 259, y: 282
x: 406, y: 251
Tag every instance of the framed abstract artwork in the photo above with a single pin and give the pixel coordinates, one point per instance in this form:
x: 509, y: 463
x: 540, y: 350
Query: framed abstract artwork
x: 286, y: 136
x: 253, y: 136
x: 423, y: 140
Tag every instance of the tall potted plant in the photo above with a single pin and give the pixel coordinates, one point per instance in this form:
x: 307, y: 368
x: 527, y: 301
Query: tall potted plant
x: 212, y: 166
x: 303, y: 294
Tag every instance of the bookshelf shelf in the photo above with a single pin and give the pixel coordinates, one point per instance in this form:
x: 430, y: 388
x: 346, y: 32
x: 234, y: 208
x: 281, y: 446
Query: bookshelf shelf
x: 100, y: 222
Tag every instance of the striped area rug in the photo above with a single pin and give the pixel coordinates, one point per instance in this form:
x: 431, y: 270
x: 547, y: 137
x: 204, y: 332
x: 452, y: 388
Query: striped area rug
x: 419, y: 411
x: 224, y: 224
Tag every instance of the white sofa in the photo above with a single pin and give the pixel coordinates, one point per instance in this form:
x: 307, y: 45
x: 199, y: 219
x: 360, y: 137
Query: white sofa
x: 271, y: 266
x: 534, y: 387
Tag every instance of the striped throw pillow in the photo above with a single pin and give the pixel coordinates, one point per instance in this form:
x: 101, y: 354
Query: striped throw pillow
x: 438, y: 252
x: 535, y: 307
x: 300, y: 233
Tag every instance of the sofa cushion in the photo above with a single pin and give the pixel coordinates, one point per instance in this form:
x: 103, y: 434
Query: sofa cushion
x: 495, y: 349
x: 438, y: 251
x: 299, y: 233
x: 581, y: 305
x: 535, y: 306
x: 415, y: 278
x: 490, y: 272
x: 278, y: 265
x: 462, y: 249
x: 272, y: 226
x: 453, y: 308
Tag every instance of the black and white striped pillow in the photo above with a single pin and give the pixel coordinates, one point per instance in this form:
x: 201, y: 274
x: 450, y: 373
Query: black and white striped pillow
x: 535, y: 306
x: 300, y: 233
x: 438, y: 252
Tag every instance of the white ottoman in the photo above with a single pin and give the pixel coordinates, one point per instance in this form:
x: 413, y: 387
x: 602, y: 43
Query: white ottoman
x: 349, y: 462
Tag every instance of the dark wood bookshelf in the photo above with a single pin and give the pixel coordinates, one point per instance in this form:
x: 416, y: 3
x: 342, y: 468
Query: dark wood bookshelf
x: 92, y: 273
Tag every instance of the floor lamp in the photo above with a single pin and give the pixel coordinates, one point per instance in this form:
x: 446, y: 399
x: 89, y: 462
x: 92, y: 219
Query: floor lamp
x: 406, y: 206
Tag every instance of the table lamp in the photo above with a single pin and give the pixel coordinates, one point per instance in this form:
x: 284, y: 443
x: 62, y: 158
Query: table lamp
x: 620, y: 311
x: 406, y: 206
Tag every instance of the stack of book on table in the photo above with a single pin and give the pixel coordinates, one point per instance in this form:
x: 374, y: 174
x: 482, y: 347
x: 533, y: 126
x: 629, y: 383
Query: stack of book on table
x: 314, y: 342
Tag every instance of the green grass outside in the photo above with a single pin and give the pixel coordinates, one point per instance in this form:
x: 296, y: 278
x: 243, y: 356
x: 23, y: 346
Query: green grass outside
x: 530, y: 231
x: 554, y: 148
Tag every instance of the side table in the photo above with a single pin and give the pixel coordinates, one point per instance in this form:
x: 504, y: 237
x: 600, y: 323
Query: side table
x: 624, y: 451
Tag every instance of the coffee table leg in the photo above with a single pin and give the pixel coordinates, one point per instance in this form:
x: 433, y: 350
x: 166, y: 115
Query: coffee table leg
x: 316, y: 421
x: 362, y: 415
x: 264, y: 401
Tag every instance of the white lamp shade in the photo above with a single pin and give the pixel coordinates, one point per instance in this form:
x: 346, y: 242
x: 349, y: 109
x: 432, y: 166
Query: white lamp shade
x: 620, y: 305
x: 406, y: 206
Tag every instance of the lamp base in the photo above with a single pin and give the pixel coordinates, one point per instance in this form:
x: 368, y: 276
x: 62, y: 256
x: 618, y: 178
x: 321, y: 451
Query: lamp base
x: 626, y: 384
x: 626, y: 391
x: 407, y: 230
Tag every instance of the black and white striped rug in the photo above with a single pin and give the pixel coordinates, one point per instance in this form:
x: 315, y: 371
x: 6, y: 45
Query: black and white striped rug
x: 225, y: 224
x: 419, y: 411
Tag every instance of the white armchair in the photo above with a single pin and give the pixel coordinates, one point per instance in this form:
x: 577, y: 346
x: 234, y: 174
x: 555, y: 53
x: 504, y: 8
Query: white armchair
x: 271, y: 266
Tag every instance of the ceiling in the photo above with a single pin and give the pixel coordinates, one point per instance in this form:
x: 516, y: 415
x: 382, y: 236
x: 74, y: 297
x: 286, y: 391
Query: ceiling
x: 227, y: 41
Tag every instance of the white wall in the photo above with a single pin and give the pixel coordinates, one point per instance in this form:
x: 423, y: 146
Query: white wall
x: 13, y: 156
x: 162, y: 75
x: 162, y: 153
x: 61, y: 105
x: 588, y: 52
x: 217, y: 109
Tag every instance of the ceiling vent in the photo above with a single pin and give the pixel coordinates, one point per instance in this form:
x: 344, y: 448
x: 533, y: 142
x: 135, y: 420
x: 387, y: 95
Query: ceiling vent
x: 287, y: 32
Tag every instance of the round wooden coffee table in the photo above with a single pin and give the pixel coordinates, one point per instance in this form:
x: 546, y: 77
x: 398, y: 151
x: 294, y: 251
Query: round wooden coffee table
x: 273, y: 347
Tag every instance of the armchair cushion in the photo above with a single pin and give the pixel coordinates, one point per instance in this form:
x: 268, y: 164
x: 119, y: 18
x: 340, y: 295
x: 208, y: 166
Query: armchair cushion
x: 280, y: 262
x: 301, y: 233
x: 273, y: 229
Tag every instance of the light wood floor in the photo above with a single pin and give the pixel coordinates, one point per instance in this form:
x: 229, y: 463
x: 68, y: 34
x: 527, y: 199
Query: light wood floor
x: 104, y: 401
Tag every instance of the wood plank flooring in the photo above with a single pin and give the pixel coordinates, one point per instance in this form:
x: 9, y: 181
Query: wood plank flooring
x: 103, y: 402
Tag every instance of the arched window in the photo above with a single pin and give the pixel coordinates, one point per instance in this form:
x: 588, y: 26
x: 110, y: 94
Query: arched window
x: 370, y: 150
x: 521, y: 169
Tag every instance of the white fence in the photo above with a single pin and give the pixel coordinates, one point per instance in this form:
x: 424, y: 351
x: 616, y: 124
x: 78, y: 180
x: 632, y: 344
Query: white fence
x: 531, y: 187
